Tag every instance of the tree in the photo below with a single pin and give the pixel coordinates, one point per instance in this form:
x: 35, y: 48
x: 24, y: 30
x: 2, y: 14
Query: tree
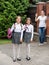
x: 9, y: 9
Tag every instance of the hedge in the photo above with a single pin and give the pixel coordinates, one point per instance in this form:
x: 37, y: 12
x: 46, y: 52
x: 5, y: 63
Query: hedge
x: 9, y: 9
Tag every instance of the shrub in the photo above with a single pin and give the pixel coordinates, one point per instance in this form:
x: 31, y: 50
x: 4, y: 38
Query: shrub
x: 9, y: 9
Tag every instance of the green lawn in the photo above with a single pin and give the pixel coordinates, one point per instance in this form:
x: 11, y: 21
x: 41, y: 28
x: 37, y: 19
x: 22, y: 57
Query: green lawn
x: 5, y: 41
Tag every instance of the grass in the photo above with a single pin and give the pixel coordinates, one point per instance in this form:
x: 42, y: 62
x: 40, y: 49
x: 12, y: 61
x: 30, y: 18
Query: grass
x: 5, y: 41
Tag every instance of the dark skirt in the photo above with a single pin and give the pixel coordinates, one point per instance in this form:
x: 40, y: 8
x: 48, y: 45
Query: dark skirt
x: 16, y: 37
x: 27, y: 37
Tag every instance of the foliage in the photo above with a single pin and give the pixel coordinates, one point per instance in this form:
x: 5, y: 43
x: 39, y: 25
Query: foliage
x: 9, y: 9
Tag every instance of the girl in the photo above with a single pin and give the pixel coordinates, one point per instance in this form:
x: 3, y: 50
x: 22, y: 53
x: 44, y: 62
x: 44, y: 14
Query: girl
x: 17, y: 37
x: 28, y: 37
x: 42, y: 26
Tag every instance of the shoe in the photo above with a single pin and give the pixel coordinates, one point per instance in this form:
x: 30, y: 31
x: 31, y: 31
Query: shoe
x: 28, y: 58
x: 41, y: 44
x: 45, y: 42
x: 14, y: 60
x: 18, y: 59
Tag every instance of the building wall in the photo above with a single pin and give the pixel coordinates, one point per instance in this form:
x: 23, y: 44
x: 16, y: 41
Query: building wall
x: 44, y: 6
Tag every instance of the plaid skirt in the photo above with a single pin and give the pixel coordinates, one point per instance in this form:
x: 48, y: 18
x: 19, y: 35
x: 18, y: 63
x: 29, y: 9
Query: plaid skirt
x: 27, y: 37
x: 16, y: 37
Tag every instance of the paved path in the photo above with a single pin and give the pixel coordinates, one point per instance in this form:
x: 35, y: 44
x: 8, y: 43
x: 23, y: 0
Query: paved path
x: 39, y: 55
x: 6, y: 60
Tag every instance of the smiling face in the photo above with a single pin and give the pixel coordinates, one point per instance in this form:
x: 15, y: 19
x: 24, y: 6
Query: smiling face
x: 42, y: 13
x: 28, y: 21
x: 18, y: 20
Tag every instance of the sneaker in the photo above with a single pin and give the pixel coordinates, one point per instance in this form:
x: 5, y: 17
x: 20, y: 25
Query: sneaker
x: 18, y: 59
x: 41, y: 44
x: 14, y: 60
x: 45, y: 42
x: 28, y: 58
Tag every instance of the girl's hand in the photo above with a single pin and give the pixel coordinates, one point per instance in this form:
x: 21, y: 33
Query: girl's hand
x: 31, y: 40
x: 20, y: 40
x: 36, y: 15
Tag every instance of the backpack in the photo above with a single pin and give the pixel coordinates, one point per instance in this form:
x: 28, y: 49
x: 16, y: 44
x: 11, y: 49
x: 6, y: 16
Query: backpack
x: 9, y: 33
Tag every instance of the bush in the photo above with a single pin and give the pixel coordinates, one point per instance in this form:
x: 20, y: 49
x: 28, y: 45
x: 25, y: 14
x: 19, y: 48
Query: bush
x: 9, y: 9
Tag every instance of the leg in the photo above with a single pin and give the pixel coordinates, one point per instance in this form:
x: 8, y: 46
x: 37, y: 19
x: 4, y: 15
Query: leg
x: 44, y: 35
x: 18, y: 52
x: 45, y: 39
x: 28, y: 51
x: 14, y: 52
x: 40, y: 34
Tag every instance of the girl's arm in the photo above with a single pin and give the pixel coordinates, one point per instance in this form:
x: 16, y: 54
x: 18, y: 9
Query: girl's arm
x: 12, y: 28
x: 21, y: 32
x: 36, y: 17
x: 32, y: 31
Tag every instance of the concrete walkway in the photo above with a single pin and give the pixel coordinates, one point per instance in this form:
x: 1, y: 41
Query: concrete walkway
x: 6, y: 60
x: 39, y: 55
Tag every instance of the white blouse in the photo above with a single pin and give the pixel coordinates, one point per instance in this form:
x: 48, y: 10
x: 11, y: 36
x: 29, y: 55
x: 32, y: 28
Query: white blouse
x: 17, y: 28
x: 29, y: 28
x: 42, y: 21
